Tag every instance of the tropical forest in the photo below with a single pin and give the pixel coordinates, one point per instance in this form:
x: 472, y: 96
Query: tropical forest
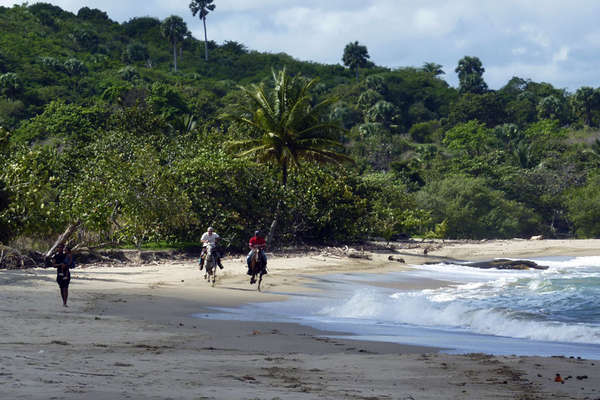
x: 139, y: 134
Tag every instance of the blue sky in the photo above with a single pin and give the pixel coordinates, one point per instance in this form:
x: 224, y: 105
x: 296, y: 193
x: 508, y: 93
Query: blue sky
x: 553, y: 41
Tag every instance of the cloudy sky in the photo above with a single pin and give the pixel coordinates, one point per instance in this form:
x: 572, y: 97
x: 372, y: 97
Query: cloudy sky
x: 554, y: 41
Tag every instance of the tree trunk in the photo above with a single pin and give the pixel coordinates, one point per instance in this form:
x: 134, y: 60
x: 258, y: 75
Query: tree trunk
x: 273, y: 227
x: 63, y: 237
x: 357, y: 73
x: 175, y: 56
x: 271, y: 235
x: 205, y: 41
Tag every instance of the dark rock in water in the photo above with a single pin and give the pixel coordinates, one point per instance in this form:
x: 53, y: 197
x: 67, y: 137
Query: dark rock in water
x: 506, y: 264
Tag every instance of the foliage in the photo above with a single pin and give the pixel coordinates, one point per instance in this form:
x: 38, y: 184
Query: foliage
x: 103, y: 131
x: 355, y: 56
x: 470, y: 75
x: 291, y: 128
x: 583, y: 206
x: 471, y: 209
x: 471, y: 138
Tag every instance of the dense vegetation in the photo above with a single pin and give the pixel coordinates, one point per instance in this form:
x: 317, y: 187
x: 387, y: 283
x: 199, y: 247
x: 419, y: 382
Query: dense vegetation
x: 128, y: 133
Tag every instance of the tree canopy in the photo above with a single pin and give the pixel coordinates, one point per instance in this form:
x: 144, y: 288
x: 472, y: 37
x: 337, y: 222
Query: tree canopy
x: 99, y: 132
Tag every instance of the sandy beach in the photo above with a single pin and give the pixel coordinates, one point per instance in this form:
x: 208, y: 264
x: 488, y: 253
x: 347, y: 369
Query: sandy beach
x: 129, y: 333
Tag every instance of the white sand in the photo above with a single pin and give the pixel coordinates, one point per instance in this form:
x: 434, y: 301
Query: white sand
x: 128, y: 334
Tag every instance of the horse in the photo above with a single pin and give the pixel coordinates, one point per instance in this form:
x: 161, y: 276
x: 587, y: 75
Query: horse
x: 258, y: 266
x: 210, y: 264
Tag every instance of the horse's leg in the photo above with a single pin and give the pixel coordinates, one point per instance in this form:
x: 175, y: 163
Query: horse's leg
x: 253, y: 270
x: 260, y: 280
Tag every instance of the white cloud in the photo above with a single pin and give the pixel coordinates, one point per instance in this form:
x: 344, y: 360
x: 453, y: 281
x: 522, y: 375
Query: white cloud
x: 546, y: 40
x: 561, y: 55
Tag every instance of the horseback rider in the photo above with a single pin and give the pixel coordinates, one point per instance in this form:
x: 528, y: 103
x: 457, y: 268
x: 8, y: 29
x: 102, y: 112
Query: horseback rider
x: 210, y: 237
x: 257, y: 243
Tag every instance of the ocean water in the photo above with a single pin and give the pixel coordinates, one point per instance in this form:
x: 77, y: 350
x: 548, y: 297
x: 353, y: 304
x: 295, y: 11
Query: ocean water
x: 532, y: 312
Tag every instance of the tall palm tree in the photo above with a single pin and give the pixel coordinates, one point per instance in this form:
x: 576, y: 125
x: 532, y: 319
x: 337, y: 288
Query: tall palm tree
x: 291, y: 129
x: 174, y: 29
x: 355, y: 56
x: 202, y: 8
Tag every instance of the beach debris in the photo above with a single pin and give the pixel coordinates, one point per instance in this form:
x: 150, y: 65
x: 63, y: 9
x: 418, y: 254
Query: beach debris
x: 358, y: 254
x: 122, y: 364
x: 538, y: 237
x: 397, y: 259
x: 558, y: 378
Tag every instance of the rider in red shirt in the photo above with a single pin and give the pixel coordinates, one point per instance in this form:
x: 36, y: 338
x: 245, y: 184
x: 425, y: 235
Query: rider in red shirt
x: 257, y: 243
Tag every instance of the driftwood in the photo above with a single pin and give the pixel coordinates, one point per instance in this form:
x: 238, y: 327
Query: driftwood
x: 506, y: 264
x: 11, y: 258
x: 63, y: 237
x: 397, y: 259
x: 356, y: 254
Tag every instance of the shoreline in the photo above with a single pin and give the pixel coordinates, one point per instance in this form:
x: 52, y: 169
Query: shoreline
x: 129, y: 333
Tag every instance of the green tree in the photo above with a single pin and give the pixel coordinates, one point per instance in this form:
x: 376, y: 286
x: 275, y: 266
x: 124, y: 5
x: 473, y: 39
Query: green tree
x: 473, y: 210
x: 433, y: 68
x: 355, y: 56
x: 471, y: 138
x: 202, y: 8
x: 74, y: 67
x: 10, y: 84
x: 552, y: 107
x: 175, y: 30
x: 290, y: 128
x: 583, y: 206
x: 470, y: 75
x: 136, y: 51
x: 585, y: 101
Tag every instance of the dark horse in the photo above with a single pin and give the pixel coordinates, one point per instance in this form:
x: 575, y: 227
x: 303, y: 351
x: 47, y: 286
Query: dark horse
x: 258, y: 266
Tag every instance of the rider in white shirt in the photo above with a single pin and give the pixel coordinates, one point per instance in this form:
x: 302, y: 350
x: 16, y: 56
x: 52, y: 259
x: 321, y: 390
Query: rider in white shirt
x: 210, y: 237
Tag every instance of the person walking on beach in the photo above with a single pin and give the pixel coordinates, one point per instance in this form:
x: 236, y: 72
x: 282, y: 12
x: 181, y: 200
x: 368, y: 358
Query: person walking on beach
x: 210, y: 237
x: 63, y: 262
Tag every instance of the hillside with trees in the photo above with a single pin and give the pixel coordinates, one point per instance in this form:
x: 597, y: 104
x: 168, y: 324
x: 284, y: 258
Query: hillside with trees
x: 136, y: 132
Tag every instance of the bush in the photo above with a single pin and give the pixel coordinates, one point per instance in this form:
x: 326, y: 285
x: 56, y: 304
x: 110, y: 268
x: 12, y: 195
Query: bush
x: 583, y: 206
x: 473, y: 210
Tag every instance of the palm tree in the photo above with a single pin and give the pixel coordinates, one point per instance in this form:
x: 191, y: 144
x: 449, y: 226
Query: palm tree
x: 203, y: 7
x: 291, y: 128
x: 355, y: 56
x: 470, y: 75
x: 432, y: 68
x: 585, y: 101
x: 175, y: 30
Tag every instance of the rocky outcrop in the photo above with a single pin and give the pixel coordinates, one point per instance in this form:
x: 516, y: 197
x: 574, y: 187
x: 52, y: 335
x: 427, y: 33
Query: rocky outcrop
x: 506, y: 264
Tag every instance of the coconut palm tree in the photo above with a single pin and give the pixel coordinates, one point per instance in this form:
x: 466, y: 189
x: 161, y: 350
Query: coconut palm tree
x: 175, y: 30
x: 432, y: 68
x: 202, y: 8
x: 291, y: 129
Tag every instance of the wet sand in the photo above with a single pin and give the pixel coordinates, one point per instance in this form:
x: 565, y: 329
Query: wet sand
x: 129, y: 334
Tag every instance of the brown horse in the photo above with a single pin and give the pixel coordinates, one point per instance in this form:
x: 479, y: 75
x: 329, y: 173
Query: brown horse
x: 257, y: 267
